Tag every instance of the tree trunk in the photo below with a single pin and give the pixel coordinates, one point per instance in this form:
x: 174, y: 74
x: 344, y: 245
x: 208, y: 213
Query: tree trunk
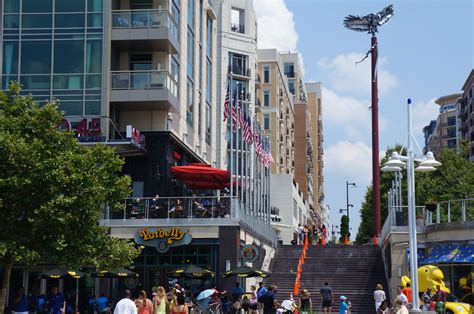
x: 5, y: 284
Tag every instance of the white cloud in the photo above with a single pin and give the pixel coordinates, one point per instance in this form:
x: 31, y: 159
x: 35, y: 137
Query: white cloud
x: 350, y: 159
x: 344, y: 76
x: 276, y: 26
x: 351, y: 113
x: 422, y: 114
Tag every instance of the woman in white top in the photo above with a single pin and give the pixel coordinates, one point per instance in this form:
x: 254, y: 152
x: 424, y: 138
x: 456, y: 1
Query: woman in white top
x: 379, y: 296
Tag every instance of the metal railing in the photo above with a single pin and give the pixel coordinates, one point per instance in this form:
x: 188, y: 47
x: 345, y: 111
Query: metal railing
x: 171, y: 207
x: 239, y: 70
x: 237, y: 28
x: 136, y: 19
x: 134, y: 80
x: 446, y: 212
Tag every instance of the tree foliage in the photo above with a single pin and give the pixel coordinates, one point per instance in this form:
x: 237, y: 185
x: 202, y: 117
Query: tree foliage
x: 53, y: 191
x: 453, y: 180
x: 344, y: 228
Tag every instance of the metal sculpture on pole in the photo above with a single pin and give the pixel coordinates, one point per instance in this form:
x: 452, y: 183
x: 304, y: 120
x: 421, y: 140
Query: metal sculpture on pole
x: 370, y: 24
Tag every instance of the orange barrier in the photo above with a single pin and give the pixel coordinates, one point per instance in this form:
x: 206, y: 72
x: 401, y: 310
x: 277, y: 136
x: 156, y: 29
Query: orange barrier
x: 299, y: 269
x: 376, y: 240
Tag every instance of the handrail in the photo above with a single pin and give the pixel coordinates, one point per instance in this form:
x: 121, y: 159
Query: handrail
x: 144, y: 79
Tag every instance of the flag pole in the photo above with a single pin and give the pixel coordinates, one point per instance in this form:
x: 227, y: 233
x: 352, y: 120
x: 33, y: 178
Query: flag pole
x: 241, y: 148
x: 231, y: 155
x: 236, y: 130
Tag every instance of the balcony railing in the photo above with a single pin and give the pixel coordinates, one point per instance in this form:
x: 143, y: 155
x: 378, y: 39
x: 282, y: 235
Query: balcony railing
x: 239, y: 70
x: 135, y: 80
x: 171, y: 207
x: 136, y: 19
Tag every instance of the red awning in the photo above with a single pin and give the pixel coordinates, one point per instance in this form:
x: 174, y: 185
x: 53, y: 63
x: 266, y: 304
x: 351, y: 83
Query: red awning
x: 202, y: 177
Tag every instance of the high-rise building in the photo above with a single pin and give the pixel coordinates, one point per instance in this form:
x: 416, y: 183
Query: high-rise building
x: 275, y: 109
x: 466, y: 113
x: 314, y: 100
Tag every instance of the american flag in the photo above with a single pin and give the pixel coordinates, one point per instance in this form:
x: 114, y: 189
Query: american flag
x: 235, y: 104
x: 227, y: 104
x: 248, y: 136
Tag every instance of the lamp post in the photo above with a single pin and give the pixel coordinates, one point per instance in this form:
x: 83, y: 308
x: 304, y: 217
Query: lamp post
x: 370, y: 24
x: 347, y: 199
x: 396, y: 163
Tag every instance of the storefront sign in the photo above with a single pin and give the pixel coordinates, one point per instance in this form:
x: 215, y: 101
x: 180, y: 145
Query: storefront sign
x: 249, y: 253
x: 163, y: 238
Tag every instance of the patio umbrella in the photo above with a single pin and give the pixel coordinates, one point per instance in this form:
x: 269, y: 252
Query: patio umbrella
x: 115, y: 273
x: 191, y: 271
x: 205, y: 294
x: 57, y: 273
x: 246, y: 271
x: 202, y: 176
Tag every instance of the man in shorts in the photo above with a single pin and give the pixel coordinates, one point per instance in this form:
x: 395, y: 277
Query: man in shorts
x: 326, y: 293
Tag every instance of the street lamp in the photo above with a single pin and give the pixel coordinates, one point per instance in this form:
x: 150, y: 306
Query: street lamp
x: 427, y: 163
x: 347, y: 199
x: 370, y: 24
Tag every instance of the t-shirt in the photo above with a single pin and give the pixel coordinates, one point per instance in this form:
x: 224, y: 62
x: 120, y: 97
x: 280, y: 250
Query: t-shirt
x: 267, y: 301
x: 344, y: 307
x: 22, y: 305
x: 237, y: 293
x: 326, y: 291
x: 402, y: 310
x: 261, y: 291
x: 102, y: 303
x: 56, y: 302
x: 379, y: 296
x: 403, y: 297
x: 125, y: 306
x: 407, y: 291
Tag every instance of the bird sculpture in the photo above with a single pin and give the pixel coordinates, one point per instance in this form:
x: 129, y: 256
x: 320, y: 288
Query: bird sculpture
x: 370, y: 22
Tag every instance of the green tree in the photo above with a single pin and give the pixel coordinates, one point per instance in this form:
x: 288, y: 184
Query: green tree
x: 344, y: 228
x: 53, y: 191
x: 453, y: 180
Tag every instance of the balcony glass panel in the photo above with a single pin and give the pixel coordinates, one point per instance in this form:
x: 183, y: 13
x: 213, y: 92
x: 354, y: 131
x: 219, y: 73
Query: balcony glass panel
x: 133, y: 80
x: 133, y: 19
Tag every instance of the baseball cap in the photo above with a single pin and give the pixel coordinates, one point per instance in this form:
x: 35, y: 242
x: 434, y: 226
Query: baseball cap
x: 343, y: 298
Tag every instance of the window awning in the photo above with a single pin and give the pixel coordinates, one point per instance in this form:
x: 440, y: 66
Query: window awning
x: 449, y: 254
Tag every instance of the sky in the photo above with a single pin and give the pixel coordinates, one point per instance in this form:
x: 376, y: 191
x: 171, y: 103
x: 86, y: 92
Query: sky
x: 425, y: 51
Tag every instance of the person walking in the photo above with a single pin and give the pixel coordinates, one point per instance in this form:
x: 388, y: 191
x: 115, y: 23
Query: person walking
x: 326, y: 293
x: 160, y: 301
x: 305, y: 302
x: 383, y: 308
x: 56, y: 301
x: 144, y: 305
x: 253, y: 301
x: 345, y: 305
x: 379, y: 296
x: 260, y: 292
x: 126, y: 305
x: 20, y: 303
x: 440, y: 299
x: 407, y: 291
x: 270, y: 304
x: 399, y: 307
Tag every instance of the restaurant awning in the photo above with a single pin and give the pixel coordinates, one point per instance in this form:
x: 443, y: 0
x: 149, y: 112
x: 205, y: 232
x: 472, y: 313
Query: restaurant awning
x: 449, y: 254
x: 202, y: 177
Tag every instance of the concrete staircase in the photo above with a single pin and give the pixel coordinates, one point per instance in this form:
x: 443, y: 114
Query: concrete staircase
x: 351, y: 270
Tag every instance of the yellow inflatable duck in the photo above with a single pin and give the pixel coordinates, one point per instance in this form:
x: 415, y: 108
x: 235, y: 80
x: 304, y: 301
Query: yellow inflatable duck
x: 428, y: 276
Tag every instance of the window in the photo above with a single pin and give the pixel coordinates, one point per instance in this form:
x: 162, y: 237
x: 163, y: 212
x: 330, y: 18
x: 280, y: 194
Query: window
x: 237, y: 21
x: 37, y: 6
x: 191, y: 6
x: 208, y: 80
x: 12, y: 6
x: 451, y: 121
x: 10, y: 57
x: 189, y: 100
x: 190, y: 56
x: 174, y: 69
x: 94, y: 6
x: 266, y: 98
x: 209, y: 37
x: 69, y: 6
x: 289, y: 69
x: 291, y: 86
x: 141, y: 4
x: 36, y: 57
x: 36, y: 21
x: 208, y: 123
x: 68, y: 20
x: 266, y: 121
x: 266, y: 74
x: 238, y: 64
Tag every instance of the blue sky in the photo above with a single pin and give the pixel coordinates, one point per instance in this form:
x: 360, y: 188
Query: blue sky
x: 425, y: 51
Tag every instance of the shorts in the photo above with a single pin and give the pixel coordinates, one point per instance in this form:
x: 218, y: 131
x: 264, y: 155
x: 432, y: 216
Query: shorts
x: 327, y: 303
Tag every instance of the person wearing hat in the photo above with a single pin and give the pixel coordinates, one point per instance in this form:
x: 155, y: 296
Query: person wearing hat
x: 344, y: 309
x: 305, y: 302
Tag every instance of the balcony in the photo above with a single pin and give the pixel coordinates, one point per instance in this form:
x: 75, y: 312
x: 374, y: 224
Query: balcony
x: 238, y: 28
x: 145, y: 30
x: 187, y: 211
x: 144, y: 90
x: 239, y: 71
x: 290, y: 74
x: 258, y: 82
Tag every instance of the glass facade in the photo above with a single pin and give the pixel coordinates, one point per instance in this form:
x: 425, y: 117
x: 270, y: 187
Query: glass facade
x: 55, y: 52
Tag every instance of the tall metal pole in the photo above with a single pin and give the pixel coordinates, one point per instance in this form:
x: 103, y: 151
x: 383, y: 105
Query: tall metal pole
x: 375, y: 141
x: 231, y: 155
x: 412, y: 213
x: 347, y: 199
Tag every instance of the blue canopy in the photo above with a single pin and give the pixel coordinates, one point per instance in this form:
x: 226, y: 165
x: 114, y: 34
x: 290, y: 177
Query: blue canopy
x: 449, y: 254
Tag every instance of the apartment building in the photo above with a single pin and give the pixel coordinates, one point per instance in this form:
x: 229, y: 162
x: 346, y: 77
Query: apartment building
x: 314, y: 101
x: 466, y: 113
x: 444, y: 134
x: 275, y: 109
x: 142, y: 76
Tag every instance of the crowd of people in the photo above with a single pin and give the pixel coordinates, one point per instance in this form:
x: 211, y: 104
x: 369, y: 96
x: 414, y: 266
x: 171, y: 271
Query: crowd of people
x: 315, y: 235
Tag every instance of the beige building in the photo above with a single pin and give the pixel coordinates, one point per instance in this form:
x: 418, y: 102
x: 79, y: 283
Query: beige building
x: 275, y: 110
x: 314, y: 98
